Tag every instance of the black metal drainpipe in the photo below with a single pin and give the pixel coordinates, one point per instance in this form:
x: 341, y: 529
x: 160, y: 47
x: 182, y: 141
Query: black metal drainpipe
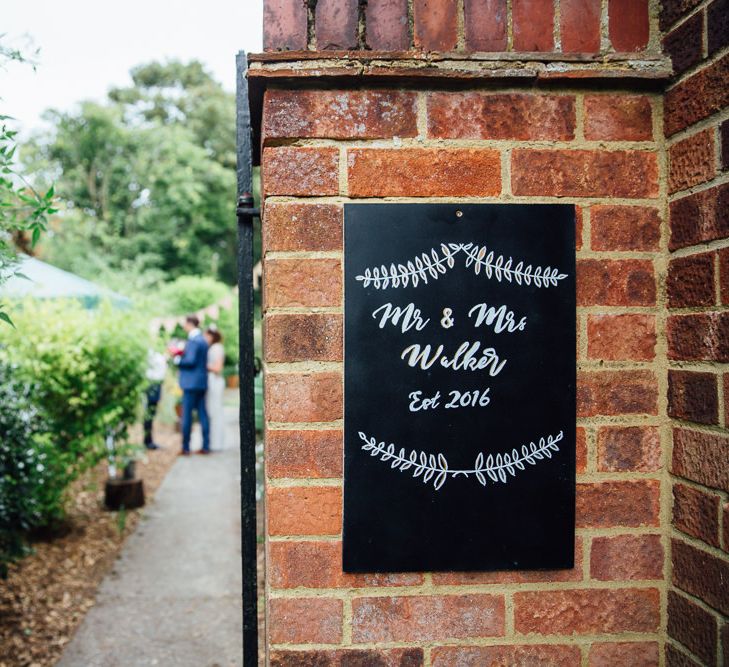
x: 245, y: 214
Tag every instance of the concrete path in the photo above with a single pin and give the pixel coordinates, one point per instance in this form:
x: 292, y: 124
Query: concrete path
x: 174, y: 596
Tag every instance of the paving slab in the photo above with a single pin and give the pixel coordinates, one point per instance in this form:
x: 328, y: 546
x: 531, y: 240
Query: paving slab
x: 174, y: 595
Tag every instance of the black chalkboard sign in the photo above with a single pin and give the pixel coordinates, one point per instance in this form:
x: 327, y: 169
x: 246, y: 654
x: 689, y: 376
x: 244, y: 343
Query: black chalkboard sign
x: 459, y: 379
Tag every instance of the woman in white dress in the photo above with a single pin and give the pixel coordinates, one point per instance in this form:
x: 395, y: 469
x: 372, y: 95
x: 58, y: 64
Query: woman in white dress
x: 216, y: 386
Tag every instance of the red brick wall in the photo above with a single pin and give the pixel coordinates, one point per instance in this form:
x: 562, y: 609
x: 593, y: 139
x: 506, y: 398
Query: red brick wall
x: 648, y: 172
x: 600, y: 150
x: 545, y: 26
x: 697, y: 144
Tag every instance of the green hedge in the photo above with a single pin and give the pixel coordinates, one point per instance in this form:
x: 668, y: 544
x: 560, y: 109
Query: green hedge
x: 31, y: 489
x: 87, y: 368
x: 189, y: 294
x: 76, y: 376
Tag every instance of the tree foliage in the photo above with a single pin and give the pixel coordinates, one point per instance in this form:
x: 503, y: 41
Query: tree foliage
x: 147, y: 178
x: 24, y: 211
x: 174, y: 93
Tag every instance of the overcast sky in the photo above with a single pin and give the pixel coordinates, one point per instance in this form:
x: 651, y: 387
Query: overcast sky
x: 88, y: 46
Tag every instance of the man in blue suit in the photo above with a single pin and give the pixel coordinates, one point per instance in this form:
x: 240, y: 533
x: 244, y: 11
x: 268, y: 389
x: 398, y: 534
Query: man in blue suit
x: 194, y: 383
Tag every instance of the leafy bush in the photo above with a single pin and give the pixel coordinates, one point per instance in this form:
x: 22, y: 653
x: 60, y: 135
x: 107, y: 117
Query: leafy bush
x: 188, y: 294
x: 31, y: 488
x: 88, y: 373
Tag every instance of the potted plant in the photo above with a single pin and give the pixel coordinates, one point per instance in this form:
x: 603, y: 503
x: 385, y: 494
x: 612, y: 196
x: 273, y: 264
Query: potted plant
x: 123, y: 490
x: 230, y: 373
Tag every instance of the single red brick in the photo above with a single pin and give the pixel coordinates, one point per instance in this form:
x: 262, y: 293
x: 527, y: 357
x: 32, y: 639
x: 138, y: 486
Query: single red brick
x: 315, y: 337
x: 626, y: 557
x: 633, y: 654
x: 512, y: 576
x: 691, y: 281
x: 697, y: 97
x: 616, y: 393
x: 584, y: 173
x: 725, y: 531
x: 485, y: 25
x: 693, y: 396
x: 533, y: 25
x: 423, y: 172
x: 542, y: 655
x: 676, y: 658
x: 619, y: 337
x: 300, y: 171
x: 685, y: 44
x: 691, y: 161
x: 580, y: 26
x: 284, y: 25
x: 302, y: 282
x: 307, y: 227
x: 690, y: 337
x: 387, y: 25
x: 702, y: 216
x: 426, y: 617
x: 717, y: 20
x: 350, y: 657
x: 673, y: 10
x: 692, y: 626
x: 303, y: 397
x: 696, y: 513
x: 724, y: 133
x: 628, y: 449
x: 723, y: 256
x: 608, y: 282
x: 595, y: 611
x: 339, y: 114
x: 304, y: 510
x: 618, y: 117
x: 501, y: 116
x: 304, y: 453
x: 700, y: 337
x: 701, y: 574
x: 624, y: 227
x: 435, y: 24
x: 701, y: 457
x: 610, y: 504
x: 726, y: 399
x: 319, y: 565
x: 628, y: 24
x: 304, y: 620
x: 336, y: 24
x: 580, y: 450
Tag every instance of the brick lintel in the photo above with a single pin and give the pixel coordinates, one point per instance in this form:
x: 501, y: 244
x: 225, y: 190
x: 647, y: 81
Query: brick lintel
x: 353, y: 69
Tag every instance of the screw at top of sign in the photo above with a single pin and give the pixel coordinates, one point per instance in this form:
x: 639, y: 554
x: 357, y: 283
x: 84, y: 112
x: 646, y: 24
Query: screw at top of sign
x: 459, y: 214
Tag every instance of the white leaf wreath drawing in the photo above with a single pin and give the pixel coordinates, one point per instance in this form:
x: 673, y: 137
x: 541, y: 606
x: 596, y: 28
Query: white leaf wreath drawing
x: 435, y: 467
x: 434, y: 264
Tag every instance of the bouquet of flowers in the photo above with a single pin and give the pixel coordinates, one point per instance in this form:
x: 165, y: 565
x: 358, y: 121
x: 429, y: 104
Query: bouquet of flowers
x: 175, y: 349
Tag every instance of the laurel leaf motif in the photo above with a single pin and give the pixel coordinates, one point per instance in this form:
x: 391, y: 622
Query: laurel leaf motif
x: 435, y: 467
x: 433, y: 265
